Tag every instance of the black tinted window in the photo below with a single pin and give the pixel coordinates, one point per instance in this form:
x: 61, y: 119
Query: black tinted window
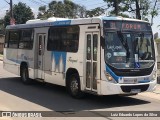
x: 26, y: 41
x: 13, y: 39
x: 63, y: 39
x: 6, y: 39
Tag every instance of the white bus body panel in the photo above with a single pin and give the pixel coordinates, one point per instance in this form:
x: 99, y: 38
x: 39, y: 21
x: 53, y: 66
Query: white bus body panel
x: 10, y: 61
x: 15, y: 57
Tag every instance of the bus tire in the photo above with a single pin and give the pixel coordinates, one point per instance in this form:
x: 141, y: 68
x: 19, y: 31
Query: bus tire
x: 25, y: 75
x: 74, y: 86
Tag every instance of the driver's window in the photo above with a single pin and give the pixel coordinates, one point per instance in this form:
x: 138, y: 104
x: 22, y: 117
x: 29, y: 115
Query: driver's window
x: 145, y: 49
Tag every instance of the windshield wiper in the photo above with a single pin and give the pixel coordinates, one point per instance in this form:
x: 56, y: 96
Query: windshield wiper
x: 124, y: 43
x: 136, y: 43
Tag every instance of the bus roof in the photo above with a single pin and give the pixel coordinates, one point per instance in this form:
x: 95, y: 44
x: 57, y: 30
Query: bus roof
x: 66, y: 22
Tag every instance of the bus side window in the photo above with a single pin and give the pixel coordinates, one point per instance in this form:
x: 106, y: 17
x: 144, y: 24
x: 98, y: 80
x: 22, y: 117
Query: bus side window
x: 64, y: 39
x: 13, y: 39
x: 26, y: 41
x: 6, y: 39
x: 95, y: 45
x: 88, y: 50
x: 40, y: 45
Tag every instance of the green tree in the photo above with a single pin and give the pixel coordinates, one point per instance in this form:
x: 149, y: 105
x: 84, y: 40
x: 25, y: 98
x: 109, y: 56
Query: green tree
x: 80, y: 11
x: 7, y: 19
x: 63, y: 9
x: 117, y: 5
x: 57, y: 9
x: 42, y: 11
x: 2, y: 28
x: 154, y: 11
x: 21, y: 13
x: 141, y: 9
x: 69, y: 8
x: 95, y: 12
x: 43, y: 14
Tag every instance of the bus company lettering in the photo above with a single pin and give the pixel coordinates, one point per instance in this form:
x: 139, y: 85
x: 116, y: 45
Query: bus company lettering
x: 113, y: 48
x: 67, y: 22
x: 23, y: 57
x: 72, y: 60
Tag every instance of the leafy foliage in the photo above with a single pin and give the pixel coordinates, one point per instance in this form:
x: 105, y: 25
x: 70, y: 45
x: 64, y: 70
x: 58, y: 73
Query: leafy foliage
x: 140, y: 9
x: 21, y: 14
x: 95, y: 12
x: 2, y: 27
x: 43, y: 13
x: 117, y: 5
x: 65, y: 9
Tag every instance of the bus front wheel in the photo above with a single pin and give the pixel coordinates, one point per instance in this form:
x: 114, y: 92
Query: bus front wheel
x: 74, y: 86
x: 25, y: 75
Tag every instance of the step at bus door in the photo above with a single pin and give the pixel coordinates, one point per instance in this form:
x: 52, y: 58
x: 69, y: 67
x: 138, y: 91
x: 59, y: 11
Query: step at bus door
x: 92, y: 60
x: 41, y: 49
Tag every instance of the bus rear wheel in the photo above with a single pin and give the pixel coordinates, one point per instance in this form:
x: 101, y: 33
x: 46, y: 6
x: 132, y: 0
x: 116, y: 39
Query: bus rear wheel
x: 25, y: 75
x: 74, y: 86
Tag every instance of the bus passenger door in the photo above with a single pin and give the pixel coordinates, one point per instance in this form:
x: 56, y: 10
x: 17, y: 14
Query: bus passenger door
x: 92, y: 60
x: 41, y: 49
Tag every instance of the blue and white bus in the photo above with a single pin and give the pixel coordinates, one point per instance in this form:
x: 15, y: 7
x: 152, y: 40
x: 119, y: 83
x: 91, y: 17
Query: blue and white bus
x: 101, y: 55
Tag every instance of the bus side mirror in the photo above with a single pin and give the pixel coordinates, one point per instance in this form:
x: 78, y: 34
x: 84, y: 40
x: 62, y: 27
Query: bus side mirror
x: 102, y: 42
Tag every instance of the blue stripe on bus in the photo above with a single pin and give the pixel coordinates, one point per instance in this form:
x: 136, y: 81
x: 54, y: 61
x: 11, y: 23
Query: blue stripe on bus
x: 143, y: 81
x: 56, y: 56
x: 118, y: 77
x: 112, y: 74
x: 55, y: 23
x: 61, y: 23
x: 16, y: 61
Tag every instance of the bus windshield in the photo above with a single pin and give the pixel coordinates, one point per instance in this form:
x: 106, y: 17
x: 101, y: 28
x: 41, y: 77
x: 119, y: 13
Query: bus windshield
x: 129, y: 49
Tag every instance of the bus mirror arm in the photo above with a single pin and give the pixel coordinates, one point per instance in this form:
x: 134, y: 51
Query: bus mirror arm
x: 102, y: 42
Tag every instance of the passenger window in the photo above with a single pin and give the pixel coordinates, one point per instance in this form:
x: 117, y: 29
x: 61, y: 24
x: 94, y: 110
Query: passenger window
x: 95, y: 45
x: 26, y: 41
x: 13, y: 39
x: 6, y: 39
x: 63, y: 39
x: 88, y: 50
x: 40, y: 45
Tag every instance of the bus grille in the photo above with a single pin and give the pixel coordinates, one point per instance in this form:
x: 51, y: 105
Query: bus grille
x: 129, y: 88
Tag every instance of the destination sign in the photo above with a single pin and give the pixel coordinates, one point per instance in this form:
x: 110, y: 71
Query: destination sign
x: 127, y: 25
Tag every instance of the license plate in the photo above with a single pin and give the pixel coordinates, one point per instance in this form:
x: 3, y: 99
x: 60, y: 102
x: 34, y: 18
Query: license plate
x: 135, y: 90
x: 133, y: 81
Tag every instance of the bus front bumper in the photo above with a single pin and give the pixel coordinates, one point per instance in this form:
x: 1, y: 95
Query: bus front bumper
x: 108, y: 88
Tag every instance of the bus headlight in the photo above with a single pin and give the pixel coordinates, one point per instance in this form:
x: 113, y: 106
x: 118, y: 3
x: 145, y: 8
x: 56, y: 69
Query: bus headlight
x: 109, y: 77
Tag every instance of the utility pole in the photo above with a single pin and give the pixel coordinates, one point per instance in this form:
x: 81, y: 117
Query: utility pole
x: 11, y: 9
x: 138, y: 15
x: 12, y: 20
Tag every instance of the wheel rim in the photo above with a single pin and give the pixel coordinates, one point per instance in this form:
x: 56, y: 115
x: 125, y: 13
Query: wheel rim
x: 74, y: 86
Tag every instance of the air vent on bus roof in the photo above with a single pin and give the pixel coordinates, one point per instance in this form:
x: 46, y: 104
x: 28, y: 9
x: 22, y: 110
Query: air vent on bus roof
x: 35, y: 21
x: 51, y: 19
x: 55, y: 19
